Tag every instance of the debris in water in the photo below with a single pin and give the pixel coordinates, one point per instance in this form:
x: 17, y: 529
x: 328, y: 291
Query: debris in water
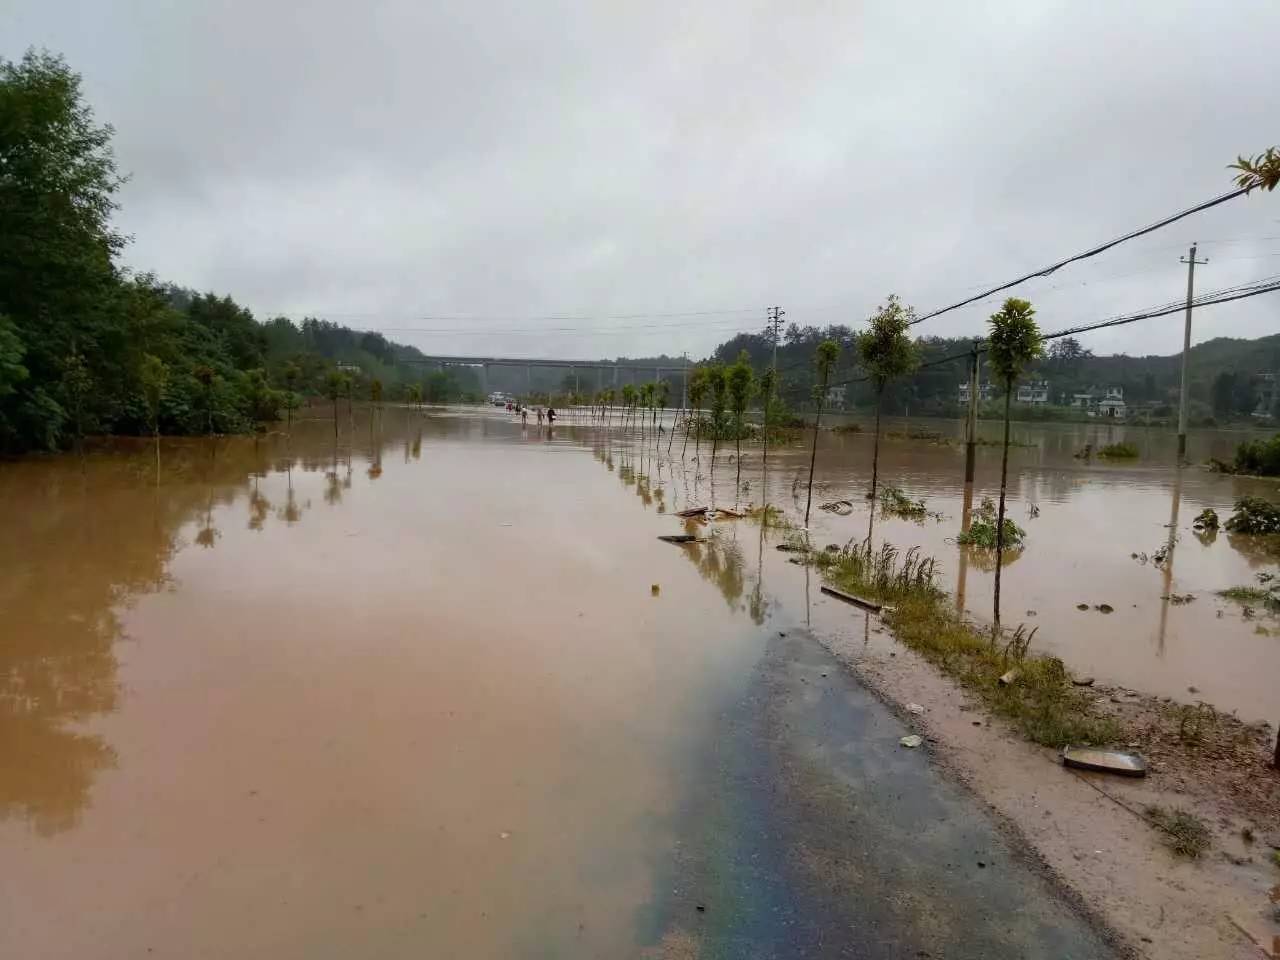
x: 790, y: 548
x: 913, y: 740
x: 724, y: 514
x: 654, y: 590
x: 691, y: 512
x: 850, y: 598
x: 1178, y: 599
x: 1104, y: 608
x: 1123, y: 762
x: 1082, y: 606
x: 914, y: 708
x: 1082, y: 681
x: 1008, y: 678
x: 841, y: 508
x: 681, y: 538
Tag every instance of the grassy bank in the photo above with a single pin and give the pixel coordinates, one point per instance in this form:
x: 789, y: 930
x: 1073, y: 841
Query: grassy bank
x: 1041, y: 701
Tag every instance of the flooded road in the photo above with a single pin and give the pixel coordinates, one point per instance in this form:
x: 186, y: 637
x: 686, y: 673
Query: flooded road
x: 436, y: 686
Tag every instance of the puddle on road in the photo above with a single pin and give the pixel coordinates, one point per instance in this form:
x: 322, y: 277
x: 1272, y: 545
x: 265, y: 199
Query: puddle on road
x: 414, y: 687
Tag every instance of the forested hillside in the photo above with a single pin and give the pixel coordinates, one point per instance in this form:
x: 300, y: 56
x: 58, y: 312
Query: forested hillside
x: 87, y: 347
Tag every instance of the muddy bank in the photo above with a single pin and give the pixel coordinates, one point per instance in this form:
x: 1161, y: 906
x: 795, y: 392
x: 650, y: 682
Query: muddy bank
x: 1090, y: 828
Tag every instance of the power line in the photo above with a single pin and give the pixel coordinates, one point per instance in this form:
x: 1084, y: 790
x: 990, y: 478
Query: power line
x: 1085, y: 255
x: 1225, y: 295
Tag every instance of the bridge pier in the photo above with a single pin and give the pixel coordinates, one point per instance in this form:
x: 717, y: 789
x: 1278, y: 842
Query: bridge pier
x: 484, y: 379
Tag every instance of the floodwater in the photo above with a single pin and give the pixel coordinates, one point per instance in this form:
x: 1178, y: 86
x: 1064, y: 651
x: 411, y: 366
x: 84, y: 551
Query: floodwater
x: 435, y: 685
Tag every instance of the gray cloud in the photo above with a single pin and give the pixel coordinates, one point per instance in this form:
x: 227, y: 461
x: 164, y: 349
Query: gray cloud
x: 393, y: 165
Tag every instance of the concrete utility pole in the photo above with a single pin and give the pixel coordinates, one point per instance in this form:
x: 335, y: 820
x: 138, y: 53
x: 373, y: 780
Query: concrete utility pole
x: 1191, y: 261
x: 971, y: 421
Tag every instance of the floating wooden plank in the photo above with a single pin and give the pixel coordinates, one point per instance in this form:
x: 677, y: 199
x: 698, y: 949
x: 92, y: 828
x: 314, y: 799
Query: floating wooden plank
x: 681, y: 538
x: 730, y: 514
x: 856, y: 601
x: 1123, y: 762
x: 692, y: 512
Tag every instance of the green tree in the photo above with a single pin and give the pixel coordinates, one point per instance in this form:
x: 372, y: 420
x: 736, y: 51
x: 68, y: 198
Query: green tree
x: 741, y: 380
x: 1260, y: 171
x: 697, y: 393
x: 718, y: 387
x: 334, y: 385
x: 824, y: 361
x: 887, y: 353
x: 1012, y: 345
x: 628, y: 400
x: 58, y: 284
x: 768, y: 386
x: 153, y: 376
x: 292, y: 376
x: 206, y: 377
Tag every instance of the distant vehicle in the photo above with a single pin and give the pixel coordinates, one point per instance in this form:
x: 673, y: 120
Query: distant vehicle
x: 499, y: 399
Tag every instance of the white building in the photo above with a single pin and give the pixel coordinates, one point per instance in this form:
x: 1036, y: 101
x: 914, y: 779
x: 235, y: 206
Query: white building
x: 1034, y: 392
x: 836, y: 395
x: 1112, y: 403
x: 985, y: 391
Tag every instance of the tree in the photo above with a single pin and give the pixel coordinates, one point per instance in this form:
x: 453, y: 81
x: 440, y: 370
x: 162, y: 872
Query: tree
x: 58, y: 284
x: 1260, y: 171
x: 742, y: 387
x: 415, y: 395
x: 628, y: 400
x: 824, y: 360
x: 1013, y: 344
x: 375, y: 393
x: 887, y: 353
x: 697, y: 391
x: 768, y: 384
x: 718, y: 386
x: 292, y: 374
x: 205, y: 377
x: 334, y: 384
x: 153, y: 376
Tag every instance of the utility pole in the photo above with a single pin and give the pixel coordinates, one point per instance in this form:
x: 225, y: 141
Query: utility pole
x: 775, y: 315
x: 1191, y: 261
x: 971, y: 421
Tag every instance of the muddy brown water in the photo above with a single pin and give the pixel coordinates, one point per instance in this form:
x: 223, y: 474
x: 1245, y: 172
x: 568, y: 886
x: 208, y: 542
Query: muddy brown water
x: 332, y: 698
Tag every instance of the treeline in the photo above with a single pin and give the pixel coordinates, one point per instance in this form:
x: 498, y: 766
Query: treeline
x: 1224, y: 381
x: 86, y: 347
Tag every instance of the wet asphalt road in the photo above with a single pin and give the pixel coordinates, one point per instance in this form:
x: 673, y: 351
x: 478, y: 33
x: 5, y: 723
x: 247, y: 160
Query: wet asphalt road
x: 813, y: 833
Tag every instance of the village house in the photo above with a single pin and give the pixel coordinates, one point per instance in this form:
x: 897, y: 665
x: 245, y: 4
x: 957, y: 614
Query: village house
x: 1034, y: 392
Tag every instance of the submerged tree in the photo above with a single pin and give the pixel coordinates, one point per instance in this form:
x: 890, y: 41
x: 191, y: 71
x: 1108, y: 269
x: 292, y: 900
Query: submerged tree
x: 334, y: 384
x: 153, y: 375
x: 887, y: 353
x: 742, y: 387
x: 824, y: 359
x: 1014, y: 342
x: 697, y: 392
x: 718, y: 387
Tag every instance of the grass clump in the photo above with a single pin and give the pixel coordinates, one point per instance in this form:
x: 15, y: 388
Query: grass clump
x: 1186, y: 834
x: 1254, y: 515
x: 1119, y: 451
x: 1042, y: 703
x: 1266, y: 594
x: 982, y: 529
x: 894, y: 501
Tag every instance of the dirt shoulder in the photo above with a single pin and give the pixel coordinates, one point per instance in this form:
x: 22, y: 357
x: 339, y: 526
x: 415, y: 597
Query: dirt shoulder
x: 1091, y: 830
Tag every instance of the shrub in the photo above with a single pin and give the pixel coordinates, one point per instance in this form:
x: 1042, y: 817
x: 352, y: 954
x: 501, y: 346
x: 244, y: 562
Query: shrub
x: 1259, y: 457
x: 1119, y: 451
x: 1254, y: 515
x: 982, y: 529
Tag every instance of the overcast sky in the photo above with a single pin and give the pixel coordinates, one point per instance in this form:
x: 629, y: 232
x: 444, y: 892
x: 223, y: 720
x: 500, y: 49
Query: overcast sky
x: 655, y: 174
